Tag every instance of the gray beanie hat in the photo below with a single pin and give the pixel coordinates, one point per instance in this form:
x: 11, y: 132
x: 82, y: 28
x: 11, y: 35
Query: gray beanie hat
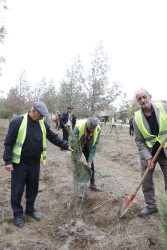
x: 41, y: 108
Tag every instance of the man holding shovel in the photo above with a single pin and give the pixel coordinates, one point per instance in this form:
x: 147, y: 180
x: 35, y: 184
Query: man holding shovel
x: 150, y: 126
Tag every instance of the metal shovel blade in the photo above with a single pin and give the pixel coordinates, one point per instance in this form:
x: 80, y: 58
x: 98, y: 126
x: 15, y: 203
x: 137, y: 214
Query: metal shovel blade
x: 127, y: 202
x: 125, y: 206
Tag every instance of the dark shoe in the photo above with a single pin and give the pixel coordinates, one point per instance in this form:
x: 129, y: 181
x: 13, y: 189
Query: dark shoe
x: 148, y: 210
x: 34, y: 215
x: 93, y: 187
x: 19, y: 222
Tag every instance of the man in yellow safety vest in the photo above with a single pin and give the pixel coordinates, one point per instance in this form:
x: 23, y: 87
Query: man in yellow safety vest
x: 25, y: 145
x: 113, y: 125
x: 150, y: 126
x: 88, y: 134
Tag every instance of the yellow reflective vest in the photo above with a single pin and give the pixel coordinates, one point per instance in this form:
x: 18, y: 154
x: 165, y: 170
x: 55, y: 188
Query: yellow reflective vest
x: 152, y: 139
x: 17, y: 148
x: 81, y: 125
x: 113, y: 121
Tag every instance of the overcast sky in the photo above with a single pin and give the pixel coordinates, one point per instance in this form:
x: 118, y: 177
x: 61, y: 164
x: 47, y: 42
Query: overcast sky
x: 43, y: 37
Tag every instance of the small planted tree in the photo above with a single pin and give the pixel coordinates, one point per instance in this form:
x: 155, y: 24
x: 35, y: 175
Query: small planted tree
x: 76, y: 155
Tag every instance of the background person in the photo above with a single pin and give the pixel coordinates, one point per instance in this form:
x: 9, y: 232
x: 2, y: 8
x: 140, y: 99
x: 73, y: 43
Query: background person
x: 65, y: 122
x: 25, y: 145
x: 131, y: 128
x: 150, y: 126
x: 113, y: 121
x: 73, y: 121
x: 58, y: 120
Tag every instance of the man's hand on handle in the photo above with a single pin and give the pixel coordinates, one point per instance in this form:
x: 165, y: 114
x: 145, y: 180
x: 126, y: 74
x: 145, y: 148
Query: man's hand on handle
x: 150, y: 165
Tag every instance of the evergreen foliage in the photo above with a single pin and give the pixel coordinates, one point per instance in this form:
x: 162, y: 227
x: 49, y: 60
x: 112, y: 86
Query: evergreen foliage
x: 78, y: 169
x: 163, y: 215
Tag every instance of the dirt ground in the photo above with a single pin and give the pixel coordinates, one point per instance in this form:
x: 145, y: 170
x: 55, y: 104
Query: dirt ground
x: 94, y: 224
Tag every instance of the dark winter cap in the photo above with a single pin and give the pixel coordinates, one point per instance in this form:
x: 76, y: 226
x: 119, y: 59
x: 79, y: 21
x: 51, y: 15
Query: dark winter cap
x: 69, y: 108
x: 41, y: 108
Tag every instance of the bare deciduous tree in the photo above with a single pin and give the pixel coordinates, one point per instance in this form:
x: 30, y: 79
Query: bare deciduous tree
x: 39, y: 89
x: 99, y: 89
x: 19, y: 97
x: 71, y: 91
x: 2, y: 30
x: 49, y: 97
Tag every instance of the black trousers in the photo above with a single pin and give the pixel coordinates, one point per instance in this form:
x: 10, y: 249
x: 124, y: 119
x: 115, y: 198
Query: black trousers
x: 86, y: 154
x: 131, y: 130
x: 65, y: 133
x: 24, y: 175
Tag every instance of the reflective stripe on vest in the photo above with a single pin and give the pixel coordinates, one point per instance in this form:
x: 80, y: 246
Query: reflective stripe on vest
x: 152, y: 139
x: 113, y: 121
x: 81, y: 125
x: 43, y: 128
x: 17, y: 148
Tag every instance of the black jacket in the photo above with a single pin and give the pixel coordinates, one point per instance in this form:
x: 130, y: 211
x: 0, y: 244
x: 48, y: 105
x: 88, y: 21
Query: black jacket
x: 73, y: 121
x: 64, y: 119
x: 32, y: 147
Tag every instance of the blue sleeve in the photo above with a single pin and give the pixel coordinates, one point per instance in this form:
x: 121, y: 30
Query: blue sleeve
x: 54, y: 138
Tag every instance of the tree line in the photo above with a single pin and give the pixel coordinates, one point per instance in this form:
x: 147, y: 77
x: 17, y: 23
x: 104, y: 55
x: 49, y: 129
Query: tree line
x: 86, y: 92
x: 3, y: 32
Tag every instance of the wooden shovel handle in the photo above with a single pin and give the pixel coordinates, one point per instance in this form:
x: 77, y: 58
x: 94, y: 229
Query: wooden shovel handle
x: 153, y: 160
